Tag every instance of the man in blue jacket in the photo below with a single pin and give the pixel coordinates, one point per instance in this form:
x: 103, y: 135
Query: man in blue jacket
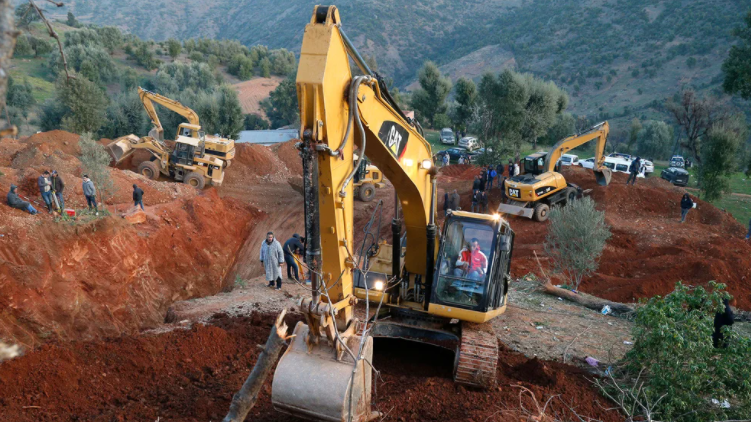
x: 293, y: 246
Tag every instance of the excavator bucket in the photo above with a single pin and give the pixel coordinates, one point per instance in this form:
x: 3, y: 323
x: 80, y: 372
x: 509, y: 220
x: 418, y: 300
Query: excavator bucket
x: 603, y: 176
x: 313, y: 384
x: 122, y: 147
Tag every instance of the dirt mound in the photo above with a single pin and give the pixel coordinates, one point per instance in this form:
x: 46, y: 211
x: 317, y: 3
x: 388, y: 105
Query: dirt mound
x: 191, y: 375
x: 106, y: 276
x: 458, y: 172
x: 650, y: 249
x: 290, y: 156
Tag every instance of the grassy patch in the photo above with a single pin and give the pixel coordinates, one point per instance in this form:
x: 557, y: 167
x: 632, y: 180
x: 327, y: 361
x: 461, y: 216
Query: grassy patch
x: 738, y: 206
x: 38, y: 75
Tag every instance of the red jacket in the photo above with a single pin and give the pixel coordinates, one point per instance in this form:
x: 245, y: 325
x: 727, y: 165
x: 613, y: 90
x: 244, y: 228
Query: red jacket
x: 476, y: 260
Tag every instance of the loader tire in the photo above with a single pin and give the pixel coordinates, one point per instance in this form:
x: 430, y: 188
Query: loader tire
x: 195, y: 179
x: 367, y: 192
x: 541, y: 212
x: 150, y: 169
x: 570, y: 195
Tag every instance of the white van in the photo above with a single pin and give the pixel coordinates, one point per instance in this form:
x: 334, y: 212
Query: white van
x: 569, y: 160
x: 619, y: 165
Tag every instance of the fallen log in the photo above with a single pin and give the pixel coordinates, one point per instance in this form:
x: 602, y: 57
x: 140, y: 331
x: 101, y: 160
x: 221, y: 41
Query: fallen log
x: 589, y: 301
x: 245, y: 399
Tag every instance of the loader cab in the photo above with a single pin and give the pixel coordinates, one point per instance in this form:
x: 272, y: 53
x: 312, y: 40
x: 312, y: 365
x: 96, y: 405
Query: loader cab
x: 473, y: 265
x: 185, y: 150
x: 188, y: 130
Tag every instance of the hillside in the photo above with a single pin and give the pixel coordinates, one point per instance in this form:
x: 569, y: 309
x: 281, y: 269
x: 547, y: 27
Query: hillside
x: 608, y: 54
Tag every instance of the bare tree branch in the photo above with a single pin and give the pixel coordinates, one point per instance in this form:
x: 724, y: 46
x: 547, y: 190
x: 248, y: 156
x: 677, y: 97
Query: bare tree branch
x: 53, y: 34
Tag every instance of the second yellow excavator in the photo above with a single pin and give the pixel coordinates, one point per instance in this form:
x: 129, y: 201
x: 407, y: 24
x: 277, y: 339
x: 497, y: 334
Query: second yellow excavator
x: 540, y: 186
x: 440, y: 289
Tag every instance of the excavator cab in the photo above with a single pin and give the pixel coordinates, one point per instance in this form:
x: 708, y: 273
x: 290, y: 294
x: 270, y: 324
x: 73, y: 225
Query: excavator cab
x: 473, y: 264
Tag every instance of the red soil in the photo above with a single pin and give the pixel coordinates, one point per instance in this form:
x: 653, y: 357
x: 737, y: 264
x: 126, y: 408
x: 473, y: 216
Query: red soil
x: 191, y: 376
x: 106, y: 277
x: 650, y: 249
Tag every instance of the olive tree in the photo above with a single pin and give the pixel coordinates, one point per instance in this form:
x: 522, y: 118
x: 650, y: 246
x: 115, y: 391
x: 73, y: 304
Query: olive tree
x: 96, y: 163
x: 430, y: 99
x: 576, y: 238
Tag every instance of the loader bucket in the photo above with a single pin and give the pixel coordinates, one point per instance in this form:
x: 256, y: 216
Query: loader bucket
x: 122, y: 147
x: 315, y: 385
x: 603, y: 176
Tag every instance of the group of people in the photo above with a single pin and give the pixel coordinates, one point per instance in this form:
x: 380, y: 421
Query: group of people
x: 482, y: 184
x: 273, y: 255
x: 51, y: 187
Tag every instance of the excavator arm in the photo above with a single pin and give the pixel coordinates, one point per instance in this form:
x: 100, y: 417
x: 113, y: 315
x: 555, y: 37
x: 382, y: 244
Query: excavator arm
x: 148, y: 99
x: 599, y: 132
x: 319, y: 376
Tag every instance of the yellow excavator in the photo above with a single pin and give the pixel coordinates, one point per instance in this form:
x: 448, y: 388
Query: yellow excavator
x: 437, y: 289
x: 367, y: 179
x: 540, y: 186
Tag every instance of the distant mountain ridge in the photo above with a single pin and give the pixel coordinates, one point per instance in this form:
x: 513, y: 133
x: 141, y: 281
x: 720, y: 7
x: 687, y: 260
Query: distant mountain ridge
x: 609, y: 54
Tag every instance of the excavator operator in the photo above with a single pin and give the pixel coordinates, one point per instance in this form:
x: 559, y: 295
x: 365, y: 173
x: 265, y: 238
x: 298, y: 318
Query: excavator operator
x: 472, y: 263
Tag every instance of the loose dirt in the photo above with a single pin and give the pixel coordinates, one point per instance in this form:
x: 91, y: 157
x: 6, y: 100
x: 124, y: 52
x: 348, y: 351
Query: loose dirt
x: 106, y: 276
x: 191, y: 375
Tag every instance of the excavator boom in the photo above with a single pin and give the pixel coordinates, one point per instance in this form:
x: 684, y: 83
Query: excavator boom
x: 599, y: 132
x: 148, y: 99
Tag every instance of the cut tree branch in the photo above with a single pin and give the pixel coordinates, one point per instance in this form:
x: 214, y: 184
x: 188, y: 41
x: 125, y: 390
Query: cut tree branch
x: 246, y: 398
x: 53, y: 34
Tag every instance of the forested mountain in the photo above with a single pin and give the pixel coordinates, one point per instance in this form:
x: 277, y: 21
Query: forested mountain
x: 609, y: 54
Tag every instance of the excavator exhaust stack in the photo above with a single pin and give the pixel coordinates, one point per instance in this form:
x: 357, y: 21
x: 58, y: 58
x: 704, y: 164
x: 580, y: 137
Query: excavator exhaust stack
x: 311, y: 383
x: 603, y: 176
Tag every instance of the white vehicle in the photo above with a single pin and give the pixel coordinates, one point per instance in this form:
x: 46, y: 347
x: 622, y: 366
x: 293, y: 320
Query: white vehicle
x: 469, y: 143
x: 447, y: 136
x: 619, y: 165
x: 677, y: 161
x: 621, y: 155
x: 589, y: 163
x: 649, y: 167
x: 569, y: 160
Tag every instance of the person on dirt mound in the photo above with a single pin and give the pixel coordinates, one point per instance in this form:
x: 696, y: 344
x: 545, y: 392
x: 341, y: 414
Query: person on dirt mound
x: 476, y: 184
x: 455, y: 201
x: 45, y: 188
x: 137, y: 197
x: 89, y: 191
x: 291, y: 247
x: 748, y: 235
x: 634, y: 169
x: 272, y: 257
x: 57, y: 188
x: 686, y: 205
x: 15, y: 201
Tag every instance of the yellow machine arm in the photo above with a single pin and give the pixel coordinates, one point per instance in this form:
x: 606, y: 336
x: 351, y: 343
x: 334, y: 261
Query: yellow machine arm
x: 318, y: 377
x: 148, y: 99
x: 324, y: 84
x: 599, y: 131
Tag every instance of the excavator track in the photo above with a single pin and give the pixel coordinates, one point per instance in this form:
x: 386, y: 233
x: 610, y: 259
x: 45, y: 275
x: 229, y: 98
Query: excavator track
x: 477, y: 359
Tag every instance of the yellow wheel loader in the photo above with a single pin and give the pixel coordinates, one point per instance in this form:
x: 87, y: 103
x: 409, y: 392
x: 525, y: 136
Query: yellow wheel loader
x: 440, y: 289
x: 539, y: 187
x: 367, y: 179
x: 196, y: 158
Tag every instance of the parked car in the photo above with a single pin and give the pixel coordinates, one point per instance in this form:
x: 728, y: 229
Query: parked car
x: 473, y: 155
x: 677, y: 161
x: 589, y: 163
x: 649, y: 167
x: 469, y: 143
x: 676, y: 176
x: 568, y: 160
x: 447, y: 136
x: 619, y: 165
x: 453, y: 153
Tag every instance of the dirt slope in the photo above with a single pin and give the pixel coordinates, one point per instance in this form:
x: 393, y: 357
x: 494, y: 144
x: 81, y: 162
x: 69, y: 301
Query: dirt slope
x: 104, y: 276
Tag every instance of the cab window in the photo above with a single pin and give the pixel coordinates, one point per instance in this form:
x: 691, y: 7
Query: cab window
x: 465, y: 262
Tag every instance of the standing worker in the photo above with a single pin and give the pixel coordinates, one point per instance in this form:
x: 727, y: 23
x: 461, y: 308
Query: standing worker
x: 476, y: 200
x: 748, y: 235
x: 476, y: 184
x: 292, y: 247
x: 634, y: 170
x: 446, y: 203
x: 491, y: 176
x: 57, y: 189
x: 516, y: 169
x: 483, y: 178
x: 483, y: 202
x: 16, y: 202
x: 272, y: 257
x: 455, y: 200
x: 45, y: 188
x: 445, y: 160
x: 686, y: 204
x: 89, y: 191
x: 137, y: 197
